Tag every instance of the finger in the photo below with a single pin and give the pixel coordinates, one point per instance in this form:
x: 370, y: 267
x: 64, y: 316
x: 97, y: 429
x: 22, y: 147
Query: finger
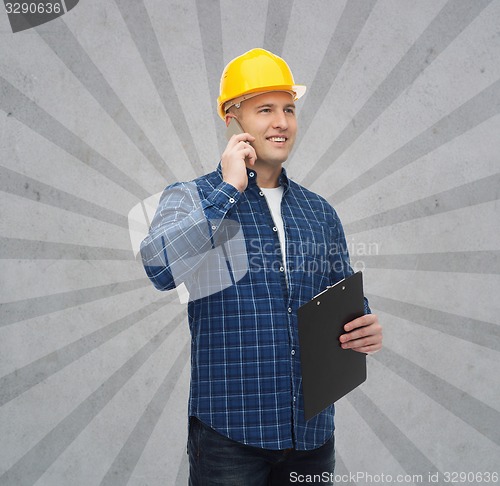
x: 371, y: 349
x: 357, y: 334
x: 362, y: 332
x: 249, y: 153
x: 362, y: 321
x: 242, y: 144
x: 242, y: 150
x: 356, y: 343
x: 241, y: 137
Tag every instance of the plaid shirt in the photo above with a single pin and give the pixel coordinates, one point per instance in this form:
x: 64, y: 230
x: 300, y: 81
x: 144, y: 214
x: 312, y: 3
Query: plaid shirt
x: 245, y: 356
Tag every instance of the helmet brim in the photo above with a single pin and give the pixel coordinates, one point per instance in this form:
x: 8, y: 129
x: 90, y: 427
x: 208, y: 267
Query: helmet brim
x: 297, y: 91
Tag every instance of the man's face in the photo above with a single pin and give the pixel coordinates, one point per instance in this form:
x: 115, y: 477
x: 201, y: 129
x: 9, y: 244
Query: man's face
x: 270, y: 118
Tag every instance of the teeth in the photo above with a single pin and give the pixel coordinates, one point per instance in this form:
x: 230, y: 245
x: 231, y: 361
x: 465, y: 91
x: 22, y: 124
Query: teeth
x: 277, y: 139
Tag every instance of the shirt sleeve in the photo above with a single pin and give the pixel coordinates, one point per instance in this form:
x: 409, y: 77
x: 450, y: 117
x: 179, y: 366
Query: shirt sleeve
x: 184, y: 228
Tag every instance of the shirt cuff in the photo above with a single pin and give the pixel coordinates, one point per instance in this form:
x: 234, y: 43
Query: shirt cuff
x: 222, y: 199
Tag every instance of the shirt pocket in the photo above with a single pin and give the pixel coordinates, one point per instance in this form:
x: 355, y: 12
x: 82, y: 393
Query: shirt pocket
x: 308, y: 253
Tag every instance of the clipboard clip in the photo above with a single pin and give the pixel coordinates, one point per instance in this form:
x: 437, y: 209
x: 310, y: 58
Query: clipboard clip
x: 327, y: 288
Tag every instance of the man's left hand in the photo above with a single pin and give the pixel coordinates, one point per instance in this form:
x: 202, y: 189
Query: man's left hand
x: 363, y: 334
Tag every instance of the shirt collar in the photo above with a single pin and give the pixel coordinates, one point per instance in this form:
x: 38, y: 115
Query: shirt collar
x: 252, y: 177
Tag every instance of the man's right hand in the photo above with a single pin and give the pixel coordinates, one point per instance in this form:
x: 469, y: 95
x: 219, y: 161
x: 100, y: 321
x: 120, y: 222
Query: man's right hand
x: 234, y: 160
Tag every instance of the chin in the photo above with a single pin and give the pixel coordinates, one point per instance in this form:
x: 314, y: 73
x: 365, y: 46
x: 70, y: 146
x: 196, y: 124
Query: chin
x: 278, y: 159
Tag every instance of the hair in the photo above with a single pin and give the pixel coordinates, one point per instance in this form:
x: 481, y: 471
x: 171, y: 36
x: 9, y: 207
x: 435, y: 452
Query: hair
x: 234, y: 110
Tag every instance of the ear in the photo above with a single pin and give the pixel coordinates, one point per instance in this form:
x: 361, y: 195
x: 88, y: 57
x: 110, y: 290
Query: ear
x: 228, y: 117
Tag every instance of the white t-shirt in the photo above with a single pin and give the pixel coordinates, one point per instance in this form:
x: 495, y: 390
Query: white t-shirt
x: 273, y: 197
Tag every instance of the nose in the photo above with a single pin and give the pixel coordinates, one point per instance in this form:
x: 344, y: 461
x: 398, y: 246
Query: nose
x: 280, y: 121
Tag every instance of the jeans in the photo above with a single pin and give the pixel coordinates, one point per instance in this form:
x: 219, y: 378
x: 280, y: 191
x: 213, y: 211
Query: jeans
x: 215, y: 460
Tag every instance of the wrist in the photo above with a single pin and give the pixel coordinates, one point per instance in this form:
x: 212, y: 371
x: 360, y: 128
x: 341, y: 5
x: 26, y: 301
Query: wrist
x: 238, y: 187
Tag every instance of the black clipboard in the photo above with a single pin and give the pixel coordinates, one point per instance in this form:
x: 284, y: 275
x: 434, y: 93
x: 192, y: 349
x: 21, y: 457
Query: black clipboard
x: 328, y: 371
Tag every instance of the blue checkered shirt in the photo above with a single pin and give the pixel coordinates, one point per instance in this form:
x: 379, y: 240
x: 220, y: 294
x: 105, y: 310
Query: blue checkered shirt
x: 245, y: 355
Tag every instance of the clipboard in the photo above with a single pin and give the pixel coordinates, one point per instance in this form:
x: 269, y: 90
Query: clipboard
x: 328, y: 371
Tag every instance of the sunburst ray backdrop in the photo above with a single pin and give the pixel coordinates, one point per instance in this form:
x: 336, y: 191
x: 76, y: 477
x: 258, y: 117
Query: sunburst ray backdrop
x: 400, y: 129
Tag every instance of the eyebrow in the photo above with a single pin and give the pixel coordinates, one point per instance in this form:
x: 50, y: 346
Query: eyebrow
x: 273, y: 105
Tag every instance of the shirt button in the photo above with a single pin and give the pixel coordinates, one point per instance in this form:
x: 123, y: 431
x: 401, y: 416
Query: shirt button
x: 282, y: 269
x: 214, y: 227
x: 251, y: 174
x: 294, y: 399
x: 261, y: 193
x: 275, y: 229
x: 293, y: 352
x: 231, y: 200
x: 289, y: 310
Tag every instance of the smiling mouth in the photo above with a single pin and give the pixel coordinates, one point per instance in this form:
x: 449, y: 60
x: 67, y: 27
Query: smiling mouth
x: 277, y: 139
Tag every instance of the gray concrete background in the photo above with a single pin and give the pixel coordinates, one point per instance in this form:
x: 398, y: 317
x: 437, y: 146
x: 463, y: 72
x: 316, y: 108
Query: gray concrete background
x: 400, y: 130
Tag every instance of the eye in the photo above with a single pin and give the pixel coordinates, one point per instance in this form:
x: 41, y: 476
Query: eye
x: 265, y: 110
x: 290, y: 110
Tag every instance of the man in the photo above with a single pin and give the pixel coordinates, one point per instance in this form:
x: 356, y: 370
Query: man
x: 252, y: 246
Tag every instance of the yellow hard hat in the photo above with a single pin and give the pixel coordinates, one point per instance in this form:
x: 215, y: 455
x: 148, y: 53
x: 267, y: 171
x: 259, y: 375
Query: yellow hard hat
x: 256, y: 71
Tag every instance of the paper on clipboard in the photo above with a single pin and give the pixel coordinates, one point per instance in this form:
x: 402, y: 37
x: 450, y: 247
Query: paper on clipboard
x: 328, y: 371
